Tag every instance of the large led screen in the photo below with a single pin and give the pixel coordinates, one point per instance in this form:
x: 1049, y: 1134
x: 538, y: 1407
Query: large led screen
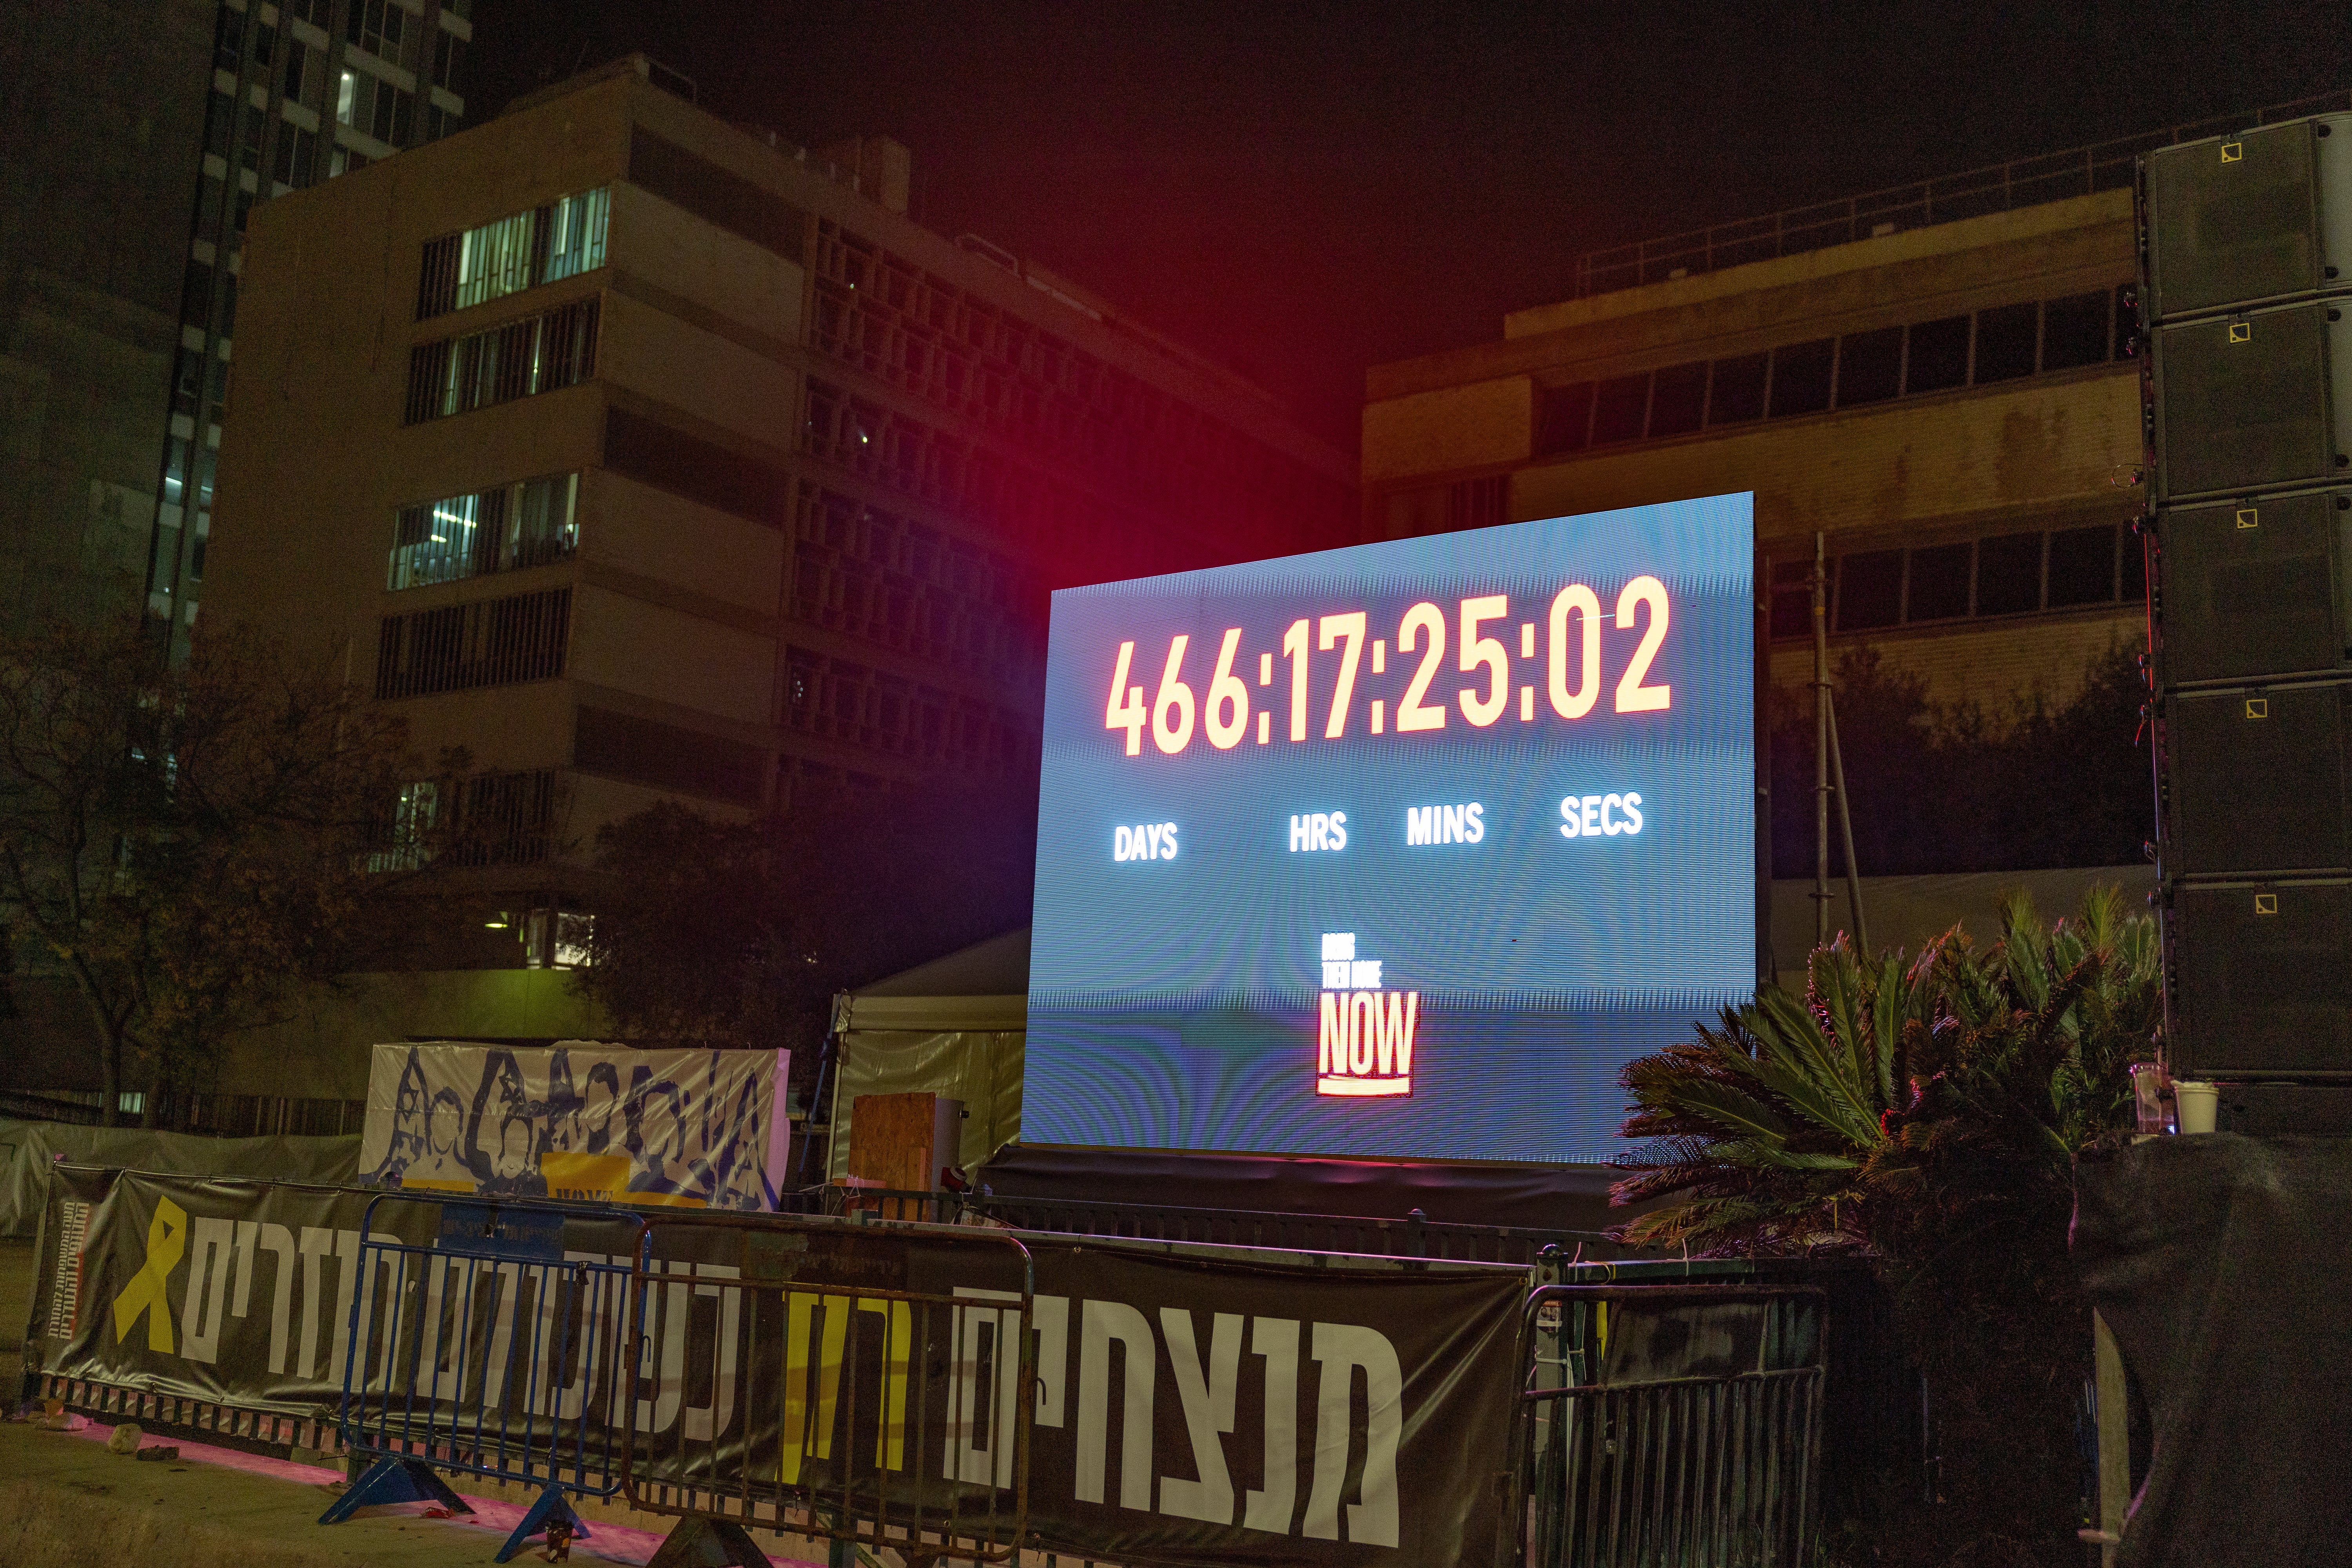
x: 1399, y: 850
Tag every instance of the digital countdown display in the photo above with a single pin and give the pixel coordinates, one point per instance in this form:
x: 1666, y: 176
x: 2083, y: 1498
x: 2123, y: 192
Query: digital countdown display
x: 1400, y: 850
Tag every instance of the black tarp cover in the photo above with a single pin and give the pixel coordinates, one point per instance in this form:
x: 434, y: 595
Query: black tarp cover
x: 2219, y: 1262
x: 1553, y: 1197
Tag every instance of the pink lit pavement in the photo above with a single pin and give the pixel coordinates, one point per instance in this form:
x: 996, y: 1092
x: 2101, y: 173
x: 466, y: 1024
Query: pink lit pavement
x: 286, y: 1513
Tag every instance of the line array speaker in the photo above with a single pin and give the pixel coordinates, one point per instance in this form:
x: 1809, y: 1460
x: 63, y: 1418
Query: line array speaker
x: 2246, y: 310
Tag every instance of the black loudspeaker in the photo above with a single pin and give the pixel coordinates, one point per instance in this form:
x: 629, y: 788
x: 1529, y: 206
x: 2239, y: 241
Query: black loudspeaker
x: 2255, y: 587
x: 2262, y: 214
x: 2245, y: 401
x: 2255, y: 780
x: 2267, y: 1110
x: 2261, y: 989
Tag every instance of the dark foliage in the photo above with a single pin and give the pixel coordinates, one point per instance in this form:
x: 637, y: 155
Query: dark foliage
x: 740, y: 933
x: 1926, y: 1114
x: 1959, y: 788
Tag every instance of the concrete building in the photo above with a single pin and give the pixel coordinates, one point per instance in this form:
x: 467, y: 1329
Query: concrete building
x: 138, y: 139
x: 1950, y: 398
x: 643, y: 456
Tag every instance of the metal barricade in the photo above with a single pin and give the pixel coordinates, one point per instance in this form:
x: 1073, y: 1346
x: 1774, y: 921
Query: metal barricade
x: 492, y: 1350
x: 860, y: 1381
x: 1718, y: 1466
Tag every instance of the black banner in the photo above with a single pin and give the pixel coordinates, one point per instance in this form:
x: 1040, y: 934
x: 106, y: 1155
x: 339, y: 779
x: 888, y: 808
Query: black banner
x: 1190, y: 1409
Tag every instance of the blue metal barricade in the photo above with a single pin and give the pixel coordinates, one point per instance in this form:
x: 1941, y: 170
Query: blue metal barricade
x: 865, y: 1384
x: 480, y: 1342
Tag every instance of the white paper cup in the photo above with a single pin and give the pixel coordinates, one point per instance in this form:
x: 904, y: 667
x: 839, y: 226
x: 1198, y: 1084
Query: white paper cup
x: 2197, y: 1103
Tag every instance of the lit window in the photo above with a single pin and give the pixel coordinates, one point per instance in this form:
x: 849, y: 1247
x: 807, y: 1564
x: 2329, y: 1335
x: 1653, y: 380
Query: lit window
x: 405, y: 835
x: 562, y: 239
x: 534, y: 523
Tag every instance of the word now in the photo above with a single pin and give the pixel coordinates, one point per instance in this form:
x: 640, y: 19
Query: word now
x: 1364, y: 1042
x: 1148, y: 841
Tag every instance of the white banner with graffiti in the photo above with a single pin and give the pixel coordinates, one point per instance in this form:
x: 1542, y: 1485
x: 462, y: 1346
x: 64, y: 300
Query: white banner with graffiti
x: 697, y: 1129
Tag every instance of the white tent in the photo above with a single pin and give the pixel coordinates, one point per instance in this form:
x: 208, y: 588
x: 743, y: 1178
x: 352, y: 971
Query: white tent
x: 955, y: 1026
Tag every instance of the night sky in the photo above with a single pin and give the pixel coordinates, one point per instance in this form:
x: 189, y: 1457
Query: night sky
x: 1300, y: 190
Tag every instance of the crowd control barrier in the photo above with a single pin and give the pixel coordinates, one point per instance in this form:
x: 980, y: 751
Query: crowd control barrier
x: 494, y: 1354
x: 855, y: 1394
x: 1683, y: 1428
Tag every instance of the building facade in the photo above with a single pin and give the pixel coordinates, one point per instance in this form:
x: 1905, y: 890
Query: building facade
x: 644, y: 456
x: 300, y: 93
x: 1953, y: 405
x: 139, y: 139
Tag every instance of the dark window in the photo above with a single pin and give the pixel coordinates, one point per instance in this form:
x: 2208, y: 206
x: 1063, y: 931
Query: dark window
x: 1678, y: 399
x: 2009, y: 574
x: 1793, y: 599
x: 503, y: 819
x: 188, y: 381
x: 2134, y: 562
x: 1869, y: 590
x: 1870, y: 366
x: 498, y: 642
x: 2005, y: 342
x: 538, y: 354
x: 1618, y: 409
x: 210, y: 193
x: 670, y: 459
x: 1738, y: 394
x: 709, y: 192
x: 2074, y: 331
x: 2126, y: 322
x: 448, y: 60
x: 2082, y: 566
x: 196, y: 296
x: 1939, y: 355
x: 1939, y: 583
x: 1477, y: 503
x: 1800, y: 377
x: 228, y: 40
x: 217, y: 119
x: 1563, y: 417
x: 665, y: 756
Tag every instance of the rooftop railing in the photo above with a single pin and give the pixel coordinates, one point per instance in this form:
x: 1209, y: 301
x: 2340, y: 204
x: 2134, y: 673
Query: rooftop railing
x: 2021, y: 182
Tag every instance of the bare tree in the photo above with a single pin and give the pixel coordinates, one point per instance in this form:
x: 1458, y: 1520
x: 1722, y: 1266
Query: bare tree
x: 193, y: 845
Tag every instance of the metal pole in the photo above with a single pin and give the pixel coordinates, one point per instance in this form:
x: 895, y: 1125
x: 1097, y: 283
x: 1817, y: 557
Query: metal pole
x: 1819, y: 582
x: 1845, y: 829
x: 1767, y: 965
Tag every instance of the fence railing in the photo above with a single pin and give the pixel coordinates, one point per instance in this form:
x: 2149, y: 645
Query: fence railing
x: 1413, y: 1236
x: 846, y: 1369
x: 493, y: 1354
x: 2021, y: 182
x: 1696, y: 1447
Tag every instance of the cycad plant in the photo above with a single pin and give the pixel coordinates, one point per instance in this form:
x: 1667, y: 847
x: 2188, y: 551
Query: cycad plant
x: 1924, y: 1112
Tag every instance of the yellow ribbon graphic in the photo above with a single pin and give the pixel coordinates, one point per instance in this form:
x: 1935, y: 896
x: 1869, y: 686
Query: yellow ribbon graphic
x: 167, y: 1239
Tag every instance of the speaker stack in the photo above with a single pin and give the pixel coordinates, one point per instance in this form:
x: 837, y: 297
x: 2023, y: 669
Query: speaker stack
x: 2245, y: 302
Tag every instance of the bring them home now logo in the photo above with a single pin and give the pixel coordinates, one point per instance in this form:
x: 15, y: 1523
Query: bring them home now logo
x: 1364, y: 1033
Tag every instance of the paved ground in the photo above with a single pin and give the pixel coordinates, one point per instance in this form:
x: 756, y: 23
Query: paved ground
x: 15, y: 1290
x: 66, y: 1501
